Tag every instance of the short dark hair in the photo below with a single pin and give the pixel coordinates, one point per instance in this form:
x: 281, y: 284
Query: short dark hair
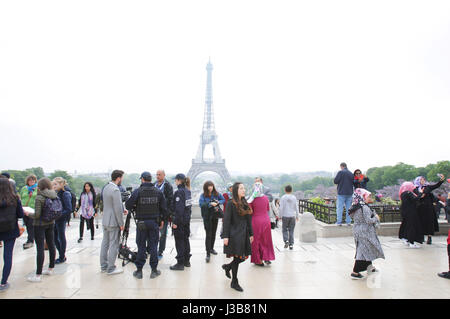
x: 288, y: 188
x: 147, y: 178
x: 344, y: 165
x: 44, y: 183
x: 116, y: 174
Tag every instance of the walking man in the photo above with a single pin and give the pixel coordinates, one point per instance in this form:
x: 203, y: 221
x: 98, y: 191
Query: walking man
x: 289, y: 215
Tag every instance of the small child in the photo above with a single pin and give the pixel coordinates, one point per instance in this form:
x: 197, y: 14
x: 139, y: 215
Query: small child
x: 288, y: 213
x: 447, y: 274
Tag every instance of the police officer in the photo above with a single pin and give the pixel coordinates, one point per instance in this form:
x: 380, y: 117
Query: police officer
x: 151, y: 209
x: 181, y: 206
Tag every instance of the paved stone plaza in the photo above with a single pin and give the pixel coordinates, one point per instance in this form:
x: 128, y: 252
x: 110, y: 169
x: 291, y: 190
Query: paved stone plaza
x: 319, y: 270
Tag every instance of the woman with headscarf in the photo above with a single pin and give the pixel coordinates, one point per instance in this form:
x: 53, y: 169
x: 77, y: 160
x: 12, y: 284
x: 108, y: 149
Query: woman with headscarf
x: 262, y: 246
x: 425, y: 208
x: 368, y: 247
x: 410, y: 231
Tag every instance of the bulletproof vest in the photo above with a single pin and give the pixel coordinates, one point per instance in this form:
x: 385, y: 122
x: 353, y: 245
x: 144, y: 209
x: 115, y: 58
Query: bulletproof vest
x: 147, y: 205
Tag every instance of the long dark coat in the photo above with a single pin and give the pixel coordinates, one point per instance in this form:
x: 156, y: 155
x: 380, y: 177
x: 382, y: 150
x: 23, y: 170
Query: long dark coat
x: 426, y: 209
x: 411, y: 227
x: 238, y: 229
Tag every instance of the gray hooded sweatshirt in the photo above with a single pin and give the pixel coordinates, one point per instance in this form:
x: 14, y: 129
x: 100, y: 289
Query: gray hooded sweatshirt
x: 288, y: 206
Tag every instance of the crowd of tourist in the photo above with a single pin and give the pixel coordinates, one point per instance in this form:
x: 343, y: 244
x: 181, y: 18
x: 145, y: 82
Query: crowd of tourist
x: 46, y: 206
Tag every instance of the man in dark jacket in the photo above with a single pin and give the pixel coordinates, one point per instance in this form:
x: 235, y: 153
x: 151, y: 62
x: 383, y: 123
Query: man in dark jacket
x: 344, y: 182
x: 164, y: 186
x: 150, y: 206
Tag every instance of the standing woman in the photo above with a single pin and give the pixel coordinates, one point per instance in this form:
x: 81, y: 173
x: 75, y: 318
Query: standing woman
x: 60, y: 223
x: 426, y: 209
x: 359, y: 180
x: 28, y: 196
x: 368, y: 246
x: 87, y: 209
x: 262, y: 246
x: 237, y: 233
x: 10, y: 211
x: 209, y: 200
x: 410, y: 231
x: 43, y: 230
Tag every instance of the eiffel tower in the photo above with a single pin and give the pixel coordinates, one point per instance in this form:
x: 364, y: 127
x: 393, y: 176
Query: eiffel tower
x: 208, y: 137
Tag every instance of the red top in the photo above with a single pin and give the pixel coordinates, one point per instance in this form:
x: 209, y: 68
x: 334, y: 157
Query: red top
x: 225, y: 195
x: 448, y: 238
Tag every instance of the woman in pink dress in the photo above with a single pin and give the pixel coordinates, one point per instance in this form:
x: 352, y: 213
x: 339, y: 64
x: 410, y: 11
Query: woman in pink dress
x: 262, y: 246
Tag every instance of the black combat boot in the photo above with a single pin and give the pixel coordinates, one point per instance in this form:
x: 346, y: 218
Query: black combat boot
x: 138, y: 274
x: 177, y: 266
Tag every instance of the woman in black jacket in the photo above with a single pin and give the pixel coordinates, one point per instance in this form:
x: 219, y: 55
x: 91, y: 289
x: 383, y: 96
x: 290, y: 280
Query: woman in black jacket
x: 425, y: 208
x: 237, y: 233
x: 10, y: 211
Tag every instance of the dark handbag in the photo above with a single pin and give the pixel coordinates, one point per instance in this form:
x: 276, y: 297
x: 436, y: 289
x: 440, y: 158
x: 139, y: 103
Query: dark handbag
x: 216, y: 211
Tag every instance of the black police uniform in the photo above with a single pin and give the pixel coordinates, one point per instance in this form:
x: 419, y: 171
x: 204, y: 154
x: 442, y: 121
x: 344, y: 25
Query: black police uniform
x: 182, y: 208
x: 151, y: 209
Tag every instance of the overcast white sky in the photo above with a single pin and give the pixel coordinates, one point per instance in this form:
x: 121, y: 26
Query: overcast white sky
x: 297, y: 85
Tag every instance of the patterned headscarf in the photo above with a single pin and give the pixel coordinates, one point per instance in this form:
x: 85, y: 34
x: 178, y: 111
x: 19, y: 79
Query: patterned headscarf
x: 406, y: 187
x: 258, y: 191
x: 359, y: 196
x: 417, y: 182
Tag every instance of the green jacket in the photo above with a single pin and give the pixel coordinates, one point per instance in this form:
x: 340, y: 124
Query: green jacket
x: 24, y: 197
x: 39, y: 205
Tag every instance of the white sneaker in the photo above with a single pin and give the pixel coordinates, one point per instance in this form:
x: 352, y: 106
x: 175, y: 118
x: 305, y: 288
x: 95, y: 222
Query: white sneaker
x: 35, y: 278
x: 414, y: 246
x: 47, y: 272
x: 115, y: 271
x: 405, y: 241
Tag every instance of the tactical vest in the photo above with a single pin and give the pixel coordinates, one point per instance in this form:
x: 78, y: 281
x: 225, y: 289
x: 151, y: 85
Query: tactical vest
x: 147, y: 205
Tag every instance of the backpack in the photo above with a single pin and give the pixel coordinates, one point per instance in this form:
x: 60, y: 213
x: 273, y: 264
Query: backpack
x: 8, y: 219
x: 52, y: 209
x: 74, y: 199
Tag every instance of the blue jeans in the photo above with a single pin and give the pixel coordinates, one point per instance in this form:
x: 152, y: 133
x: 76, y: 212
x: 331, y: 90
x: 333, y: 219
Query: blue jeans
x: 149, y: 237
x: 60, y: 236
x: 341, y: 201
x: 8, y: 247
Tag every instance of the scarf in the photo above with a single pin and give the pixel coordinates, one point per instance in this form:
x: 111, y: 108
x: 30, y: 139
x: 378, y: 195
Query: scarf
x: 417, y: 182
x: 31, y: 188
x: 406, y: 187
x: 358, y: 198
x: 258, y: 191
x: 87, y: 205
x: 360, y: 178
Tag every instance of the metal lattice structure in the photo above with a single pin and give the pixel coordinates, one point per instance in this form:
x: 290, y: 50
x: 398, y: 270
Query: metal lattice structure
x: 208, y: 137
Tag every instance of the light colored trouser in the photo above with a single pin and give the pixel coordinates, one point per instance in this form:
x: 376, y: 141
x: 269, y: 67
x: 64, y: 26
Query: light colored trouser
x: 110, y: 248
x: 288, y: 229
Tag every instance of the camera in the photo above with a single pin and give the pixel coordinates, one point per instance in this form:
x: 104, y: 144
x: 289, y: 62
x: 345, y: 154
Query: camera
x: 126, y: 194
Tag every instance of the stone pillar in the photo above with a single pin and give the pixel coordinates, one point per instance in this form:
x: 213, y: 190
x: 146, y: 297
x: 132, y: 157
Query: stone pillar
x: 307, y: 228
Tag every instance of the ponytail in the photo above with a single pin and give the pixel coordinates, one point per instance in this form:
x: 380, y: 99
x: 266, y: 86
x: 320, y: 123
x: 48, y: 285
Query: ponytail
x: 187, y: 182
